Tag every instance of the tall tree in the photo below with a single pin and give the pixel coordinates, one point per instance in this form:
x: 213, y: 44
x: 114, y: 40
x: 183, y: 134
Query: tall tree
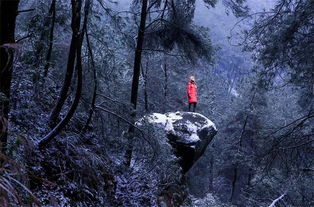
x: 76, y: 17
x: 92, y: 64
x: 75, y: 25
x: 137, y: 72
x: 138, y: 54
x: 8, y: 13
x: 283, y: 41
x: 52, y: 16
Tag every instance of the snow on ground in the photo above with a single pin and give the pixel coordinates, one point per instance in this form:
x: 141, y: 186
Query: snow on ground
x: 209, y: 122
x: 192, y: 129
x: 167, y: 121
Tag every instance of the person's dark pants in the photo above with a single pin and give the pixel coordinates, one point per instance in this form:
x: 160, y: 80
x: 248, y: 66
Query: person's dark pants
x: 194, y: 106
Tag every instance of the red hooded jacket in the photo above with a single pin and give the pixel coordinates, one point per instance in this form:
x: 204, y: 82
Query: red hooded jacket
x: 191, y: 91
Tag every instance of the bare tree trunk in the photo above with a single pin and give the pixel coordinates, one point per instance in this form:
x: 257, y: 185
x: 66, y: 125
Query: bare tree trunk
x: 76, y: 21
x: 144, y: 74
x: 138, y: 55
x: 165, y: 86
x: 52, y: 15
x: 8, y: 13
x: 92, y: 108
x: 136, y: 74
x: 57, y: 129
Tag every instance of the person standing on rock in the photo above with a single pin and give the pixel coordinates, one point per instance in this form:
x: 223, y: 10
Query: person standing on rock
x: 192, y: 93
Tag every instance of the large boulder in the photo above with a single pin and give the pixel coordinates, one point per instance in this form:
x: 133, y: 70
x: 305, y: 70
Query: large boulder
x: 188, y: 133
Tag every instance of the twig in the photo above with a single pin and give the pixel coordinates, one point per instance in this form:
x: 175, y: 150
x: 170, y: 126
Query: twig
x: 117, y: 115
x: 273, y: 204
x: 23, y: 38
x: 26, y: 10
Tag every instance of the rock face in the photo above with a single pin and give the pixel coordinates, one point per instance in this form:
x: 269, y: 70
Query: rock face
x: 188, y: 133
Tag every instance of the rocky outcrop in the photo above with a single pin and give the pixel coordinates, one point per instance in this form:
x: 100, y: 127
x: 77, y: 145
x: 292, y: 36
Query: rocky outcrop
x: 188, y: 133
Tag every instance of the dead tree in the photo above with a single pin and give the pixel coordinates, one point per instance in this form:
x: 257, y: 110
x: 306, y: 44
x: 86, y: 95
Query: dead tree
x: 136, y: 73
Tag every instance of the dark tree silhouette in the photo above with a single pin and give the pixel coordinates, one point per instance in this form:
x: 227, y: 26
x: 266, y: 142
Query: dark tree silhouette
x: 136, y: 72
x: 75, y: 25
x: 76, y: 8
x: 52, y: 16
x: 8, y: 13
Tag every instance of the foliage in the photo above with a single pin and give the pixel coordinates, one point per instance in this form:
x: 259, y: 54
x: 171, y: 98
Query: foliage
x: 283, y: 40
x: 13, y: 184
x: 264, y: 147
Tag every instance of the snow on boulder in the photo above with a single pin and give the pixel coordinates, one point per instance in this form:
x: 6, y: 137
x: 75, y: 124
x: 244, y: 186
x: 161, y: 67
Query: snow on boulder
x: 188, y: 133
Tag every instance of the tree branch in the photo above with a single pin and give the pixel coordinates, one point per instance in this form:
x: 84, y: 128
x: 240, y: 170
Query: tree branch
x: 26, y: 10
x: 273, y: 204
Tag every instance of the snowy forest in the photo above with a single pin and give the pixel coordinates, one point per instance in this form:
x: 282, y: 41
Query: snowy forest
x: 157, y: 103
